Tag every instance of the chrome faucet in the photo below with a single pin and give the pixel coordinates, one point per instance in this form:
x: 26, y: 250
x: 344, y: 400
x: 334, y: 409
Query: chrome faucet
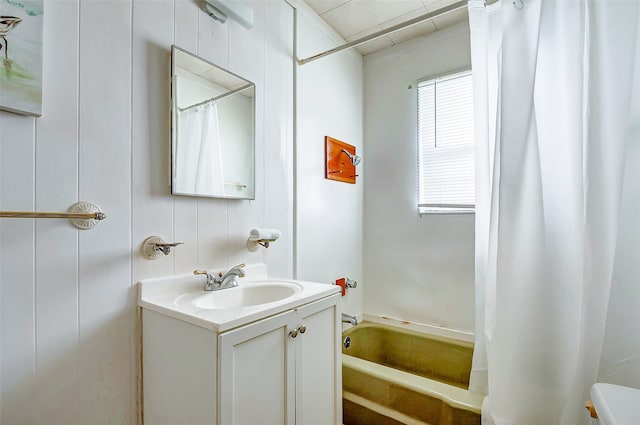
x: 228, y: 279
x: 222, y: 280
x: 349, y: 319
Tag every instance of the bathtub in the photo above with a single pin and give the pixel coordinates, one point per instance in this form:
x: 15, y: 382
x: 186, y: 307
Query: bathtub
x: 398, y: 376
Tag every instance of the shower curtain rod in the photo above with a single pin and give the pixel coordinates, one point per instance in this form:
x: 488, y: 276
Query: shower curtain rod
x: 215, y: 99
x: 455, y: 6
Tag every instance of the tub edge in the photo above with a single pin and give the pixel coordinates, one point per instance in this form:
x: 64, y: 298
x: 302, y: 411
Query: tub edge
x: 453, y: 396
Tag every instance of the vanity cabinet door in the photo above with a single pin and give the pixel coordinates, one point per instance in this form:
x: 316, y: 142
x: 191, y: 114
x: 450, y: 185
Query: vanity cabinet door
x: 283, y: 370
x: 256, y: 373
x: 318, y: 363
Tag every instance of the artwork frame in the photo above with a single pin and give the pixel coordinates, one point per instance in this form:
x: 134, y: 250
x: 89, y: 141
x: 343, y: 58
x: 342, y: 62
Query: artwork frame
x: 21, y: 29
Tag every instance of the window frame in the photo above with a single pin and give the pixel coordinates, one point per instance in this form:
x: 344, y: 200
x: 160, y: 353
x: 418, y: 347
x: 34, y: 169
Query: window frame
x: 437, y: 209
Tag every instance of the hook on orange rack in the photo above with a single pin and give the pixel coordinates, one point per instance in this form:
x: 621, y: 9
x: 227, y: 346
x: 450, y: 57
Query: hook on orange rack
x: 338, y: 165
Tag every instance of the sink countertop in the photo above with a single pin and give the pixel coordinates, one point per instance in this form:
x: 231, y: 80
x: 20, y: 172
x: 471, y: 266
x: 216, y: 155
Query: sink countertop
x: 615, y: 404
x: 160, y: 295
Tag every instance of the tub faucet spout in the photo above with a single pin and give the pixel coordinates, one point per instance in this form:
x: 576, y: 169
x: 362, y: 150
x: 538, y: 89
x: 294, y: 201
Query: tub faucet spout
x: 349, y: 319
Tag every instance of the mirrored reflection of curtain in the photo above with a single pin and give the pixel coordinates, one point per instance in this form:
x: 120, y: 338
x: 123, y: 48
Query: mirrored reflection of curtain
x: 555, y: 84
x: 198, y: 161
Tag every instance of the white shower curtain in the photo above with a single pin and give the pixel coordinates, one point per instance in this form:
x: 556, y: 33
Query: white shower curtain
x: 198, y: 156
x: 554, y: 84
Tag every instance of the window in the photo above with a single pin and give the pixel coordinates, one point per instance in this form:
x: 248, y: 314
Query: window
x: 446, y: 164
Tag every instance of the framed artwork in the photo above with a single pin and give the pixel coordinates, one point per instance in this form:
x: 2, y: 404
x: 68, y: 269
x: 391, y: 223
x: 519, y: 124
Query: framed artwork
x: 21, y: 56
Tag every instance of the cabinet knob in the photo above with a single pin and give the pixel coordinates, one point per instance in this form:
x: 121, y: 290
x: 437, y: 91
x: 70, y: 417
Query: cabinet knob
x: 303, y: 329
x: 294, y: 333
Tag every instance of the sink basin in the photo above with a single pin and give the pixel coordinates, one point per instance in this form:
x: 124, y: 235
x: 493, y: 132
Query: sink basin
x: 257, y: 296
x: 244, y: 295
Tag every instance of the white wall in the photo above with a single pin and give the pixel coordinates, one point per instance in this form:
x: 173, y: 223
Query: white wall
x: 418, y: 269
x: 620, y: 362
x: 328, y: 212
x: 68, y: 344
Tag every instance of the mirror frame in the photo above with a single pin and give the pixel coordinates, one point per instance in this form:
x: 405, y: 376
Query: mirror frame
x: 174, y: 105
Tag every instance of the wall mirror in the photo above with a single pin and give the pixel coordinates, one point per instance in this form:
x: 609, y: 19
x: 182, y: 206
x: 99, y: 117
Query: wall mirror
x: 212, y: 129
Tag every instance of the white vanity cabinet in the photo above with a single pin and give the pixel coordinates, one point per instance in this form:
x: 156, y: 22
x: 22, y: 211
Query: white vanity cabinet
x: 283, y: 369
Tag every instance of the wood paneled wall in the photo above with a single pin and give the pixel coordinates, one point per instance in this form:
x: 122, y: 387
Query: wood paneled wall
x: 68, y: 344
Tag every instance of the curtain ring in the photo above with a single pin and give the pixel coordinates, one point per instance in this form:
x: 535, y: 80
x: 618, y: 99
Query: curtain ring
x: 518, y: 4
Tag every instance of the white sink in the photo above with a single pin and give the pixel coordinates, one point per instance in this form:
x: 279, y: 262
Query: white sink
x: 616, y: 405
x: 257, y: 296
x: 246, y: 294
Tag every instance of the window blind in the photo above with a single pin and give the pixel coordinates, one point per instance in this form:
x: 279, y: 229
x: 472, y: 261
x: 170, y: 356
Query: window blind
x: 446, y: 164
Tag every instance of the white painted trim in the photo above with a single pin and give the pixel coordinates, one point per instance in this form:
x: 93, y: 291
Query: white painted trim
x: 302, y: 7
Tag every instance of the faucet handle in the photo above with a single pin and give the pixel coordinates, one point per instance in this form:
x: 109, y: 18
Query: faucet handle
x: 210, y: 276
x: 239, y: 266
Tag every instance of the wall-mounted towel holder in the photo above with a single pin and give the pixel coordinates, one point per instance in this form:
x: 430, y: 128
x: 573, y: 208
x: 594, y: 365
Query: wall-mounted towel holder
x: 253, y: 245
x: 261, y: 237
x: 83, y: 215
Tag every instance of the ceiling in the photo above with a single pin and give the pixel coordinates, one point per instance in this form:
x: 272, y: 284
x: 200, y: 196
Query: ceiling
x: 354, y: 19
